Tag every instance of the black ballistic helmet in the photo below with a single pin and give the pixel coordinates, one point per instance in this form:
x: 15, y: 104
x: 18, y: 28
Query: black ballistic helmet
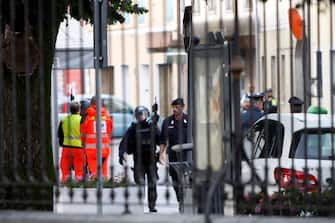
x: 141, y: 110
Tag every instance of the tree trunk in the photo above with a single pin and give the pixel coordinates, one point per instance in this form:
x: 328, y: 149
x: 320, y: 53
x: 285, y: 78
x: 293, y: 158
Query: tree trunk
x: 26, y: 163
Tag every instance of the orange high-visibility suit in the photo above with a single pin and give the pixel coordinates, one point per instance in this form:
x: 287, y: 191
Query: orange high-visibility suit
x: 89, y: 139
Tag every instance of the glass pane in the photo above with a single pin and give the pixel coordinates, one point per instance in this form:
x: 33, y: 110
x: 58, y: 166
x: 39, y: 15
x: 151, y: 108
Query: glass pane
x: 309, y: 144
x: 207, y: 67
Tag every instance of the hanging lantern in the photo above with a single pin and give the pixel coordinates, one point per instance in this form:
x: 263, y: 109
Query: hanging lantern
x: 21, y: 55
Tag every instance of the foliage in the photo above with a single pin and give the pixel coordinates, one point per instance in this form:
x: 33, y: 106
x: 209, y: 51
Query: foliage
x: 290, y: 202
x: 116, y: 10
x: 109, y: 183
x: 27, y: 167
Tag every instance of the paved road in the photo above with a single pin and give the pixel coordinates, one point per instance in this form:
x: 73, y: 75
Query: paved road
x: 64, y: 204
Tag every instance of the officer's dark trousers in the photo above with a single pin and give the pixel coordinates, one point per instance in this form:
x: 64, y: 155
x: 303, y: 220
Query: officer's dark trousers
x: 174, y: 175
x: 150, y: 171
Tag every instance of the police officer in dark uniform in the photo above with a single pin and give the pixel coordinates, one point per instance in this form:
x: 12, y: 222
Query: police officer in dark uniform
x: 252, y: 114
x: 141, y: 139
x: 295, y: 104
x: 174, y: 132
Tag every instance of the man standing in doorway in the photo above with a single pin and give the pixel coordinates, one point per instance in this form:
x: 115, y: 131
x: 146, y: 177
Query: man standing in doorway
x: 174, y: 132
x: 249, y: 93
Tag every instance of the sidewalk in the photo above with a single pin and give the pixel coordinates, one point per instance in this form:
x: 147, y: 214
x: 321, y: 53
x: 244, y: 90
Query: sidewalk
x: 78, y: 206
x: 48, y: 217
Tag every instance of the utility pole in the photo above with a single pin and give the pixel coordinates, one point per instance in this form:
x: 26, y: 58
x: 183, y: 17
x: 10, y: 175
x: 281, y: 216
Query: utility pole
x: 236, y: 68
x: 100, y: 59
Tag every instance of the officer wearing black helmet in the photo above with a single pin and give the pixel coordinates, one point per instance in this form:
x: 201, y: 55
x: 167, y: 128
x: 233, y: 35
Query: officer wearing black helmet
x: 141, y: 139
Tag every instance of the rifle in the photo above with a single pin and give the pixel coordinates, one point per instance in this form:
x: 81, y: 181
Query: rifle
x: 71, y: 95
x: 154, y: 109
x: 155, y: 118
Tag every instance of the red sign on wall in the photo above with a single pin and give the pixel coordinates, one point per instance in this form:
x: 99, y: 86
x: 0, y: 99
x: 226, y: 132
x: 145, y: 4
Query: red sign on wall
x: 72, y: 82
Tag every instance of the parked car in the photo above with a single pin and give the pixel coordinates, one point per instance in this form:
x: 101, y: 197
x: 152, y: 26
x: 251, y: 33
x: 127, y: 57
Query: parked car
x: 119, y: 110
x: 296, y: 149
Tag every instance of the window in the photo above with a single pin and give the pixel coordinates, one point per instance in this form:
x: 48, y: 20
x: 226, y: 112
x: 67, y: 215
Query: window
x: 316, y: 79
x: 283, y: 87
x: 182, y: 4
x: 211, y: 5
x: 332, y: 69
x: 107, y: 80
x: 196, y: 6
x: 125, y: 82
x: 309, y: 143
x: 114, y: 105
x: 144, y: 85
x: 126, y: 18
x: 273, y: 73
x: 169, y: 9
x: 265, y: 140
x: 247, y: 4
x: 263, y: 66
x: 229, y: 5
x: 140, y: 18
x: 319, y: 73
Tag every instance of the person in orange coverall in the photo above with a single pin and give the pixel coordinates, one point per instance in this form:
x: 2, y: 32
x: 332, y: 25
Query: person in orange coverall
x: 89, y: 138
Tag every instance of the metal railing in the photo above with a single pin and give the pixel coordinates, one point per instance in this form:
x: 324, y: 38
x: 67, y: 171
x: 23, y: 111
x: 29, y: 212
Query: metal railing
x: 245, y: 149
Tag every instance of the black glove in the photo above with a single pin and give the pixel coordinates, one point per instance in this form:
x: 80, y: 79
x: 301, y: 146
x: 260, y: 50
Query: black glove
x: 157, y: 157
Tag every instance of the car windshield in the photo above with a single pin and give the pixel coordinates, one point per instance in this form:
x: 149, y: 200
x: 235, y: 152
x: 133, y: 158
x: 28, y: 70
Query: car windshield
x: 313, y: 144
x: 113, y: 105
x: 116, y: 106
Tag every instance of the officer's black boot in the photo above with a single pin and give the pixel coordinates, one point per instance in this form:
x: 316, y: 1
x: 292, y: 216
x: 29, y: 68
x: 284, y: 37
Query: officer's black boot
x: 152, y: 197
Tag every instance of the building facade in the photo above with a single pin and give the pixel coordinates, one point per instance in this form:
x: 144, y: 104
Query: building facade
x: 146, y: 56
x: 271, y: 55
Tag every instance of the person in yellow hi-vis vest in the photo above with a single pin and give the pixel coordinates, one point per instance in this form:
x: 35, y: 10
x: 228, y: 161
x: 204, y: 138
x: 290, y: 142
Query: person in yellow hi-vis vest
x: 270, y: 102
x: 69, y: 138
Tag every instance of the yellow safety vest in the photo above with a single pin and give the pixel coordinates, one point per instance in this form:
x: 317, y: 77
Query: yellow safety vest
x: 274, y: 102
x: 71, y: 130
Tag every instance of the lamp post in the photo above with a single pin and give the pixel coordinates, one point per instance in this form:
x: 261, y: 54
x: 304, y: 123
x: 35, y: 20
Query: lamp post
x: 188, y: 38
x: 236, y: 68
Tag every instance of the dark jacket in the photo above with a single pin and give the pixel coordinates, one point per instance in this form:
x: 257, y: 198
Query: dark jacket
x: 140, y: 140
x: 174, y: 131
x: 248, y: 118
